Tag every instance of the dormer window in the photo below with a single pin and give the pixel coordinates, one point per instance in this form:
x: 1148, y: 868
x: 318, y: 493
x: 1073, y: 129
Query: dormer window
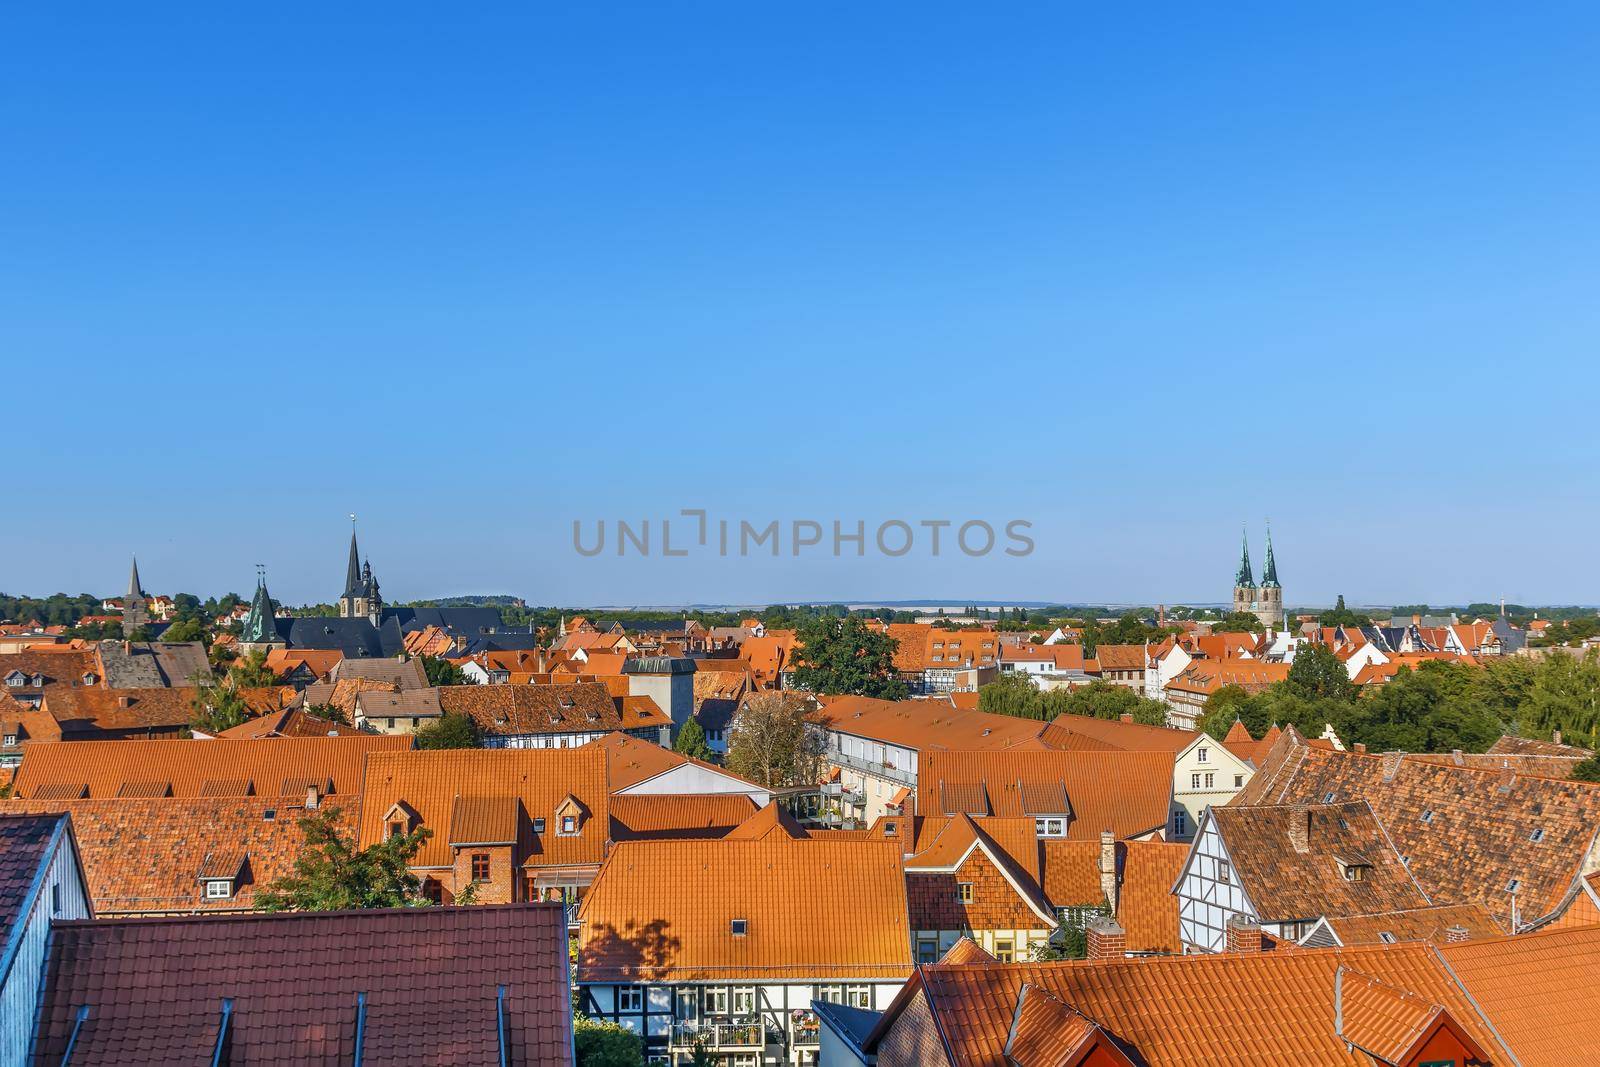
x: 569, y: 824
x: 1202, y: 755
x: 891, y: 828
x: 10, y: 740
x: 1330, y: 798
x: 1513, y: 885
x: 1356, y: 872
x: 395, y: 829
x: 219, y: 889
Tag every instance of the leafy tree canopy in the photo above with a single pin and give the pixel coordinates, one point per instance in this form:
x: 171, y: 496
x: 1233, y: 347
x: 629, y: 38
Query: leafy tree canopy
x: 842, y: 656
x: 331, y: 873
x: 691, y: 742
x: 453, y: 729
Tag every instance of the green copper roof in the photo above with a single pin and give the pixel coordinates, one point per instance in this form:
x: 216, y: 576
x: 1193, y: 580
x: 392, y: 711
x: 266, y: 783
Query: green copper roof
x: 260, y: 625
x: 1244, y: 577
x: 1269, y: 576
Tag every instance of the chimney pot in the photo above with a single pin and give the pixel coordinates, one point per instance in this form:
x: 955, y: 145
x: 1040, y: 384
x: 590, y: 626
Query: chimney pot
x: 1243, y: 934
x: 1105, y: 940
x: 1300, y: 828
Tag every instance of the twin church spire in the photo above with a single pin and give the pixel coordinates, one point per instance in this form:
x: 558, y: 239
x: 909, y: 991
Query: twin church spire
x: 1264, y: 601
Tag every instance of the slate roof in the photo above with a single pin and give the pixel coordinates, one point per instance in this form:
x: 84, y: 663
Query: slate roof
x: 103, y: 767
x: 356, y: 638
x: 463, y: 621
x: 1468, y: 834
x: 1128, y: 793
x: 25, y: 846
x: 813, y: 909
x: 146, y: 856
x: 148, y: 664
x: 430, y: 979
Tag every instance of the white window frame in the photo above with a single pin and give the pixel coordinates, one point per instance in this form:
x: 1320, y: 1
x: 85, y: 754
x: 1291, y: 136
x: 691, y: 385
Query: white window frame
x: 219, y: 889
x: 630, y: 998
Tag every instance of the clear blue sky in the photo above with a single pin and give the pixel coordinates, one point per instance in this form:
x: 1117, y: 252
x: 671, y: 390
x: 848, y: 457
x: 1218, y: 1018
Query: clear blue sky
x: 1137, y: 273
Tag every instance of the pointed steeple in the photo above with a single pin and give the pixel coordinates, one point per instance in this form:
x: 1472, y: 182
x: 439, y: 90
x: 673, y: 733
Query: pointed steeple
x: 1244, y: 578
x: 352, y: 580
x: 259, y: 625
x: 1269, y: 576
x: 135, y: 590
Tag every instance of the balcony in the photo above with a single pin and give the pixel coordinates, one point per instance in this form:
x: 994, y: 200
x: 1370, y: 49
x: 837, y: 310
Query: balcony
x: 872, y: 767
x: 806, y: 1029
x: 749, y: 1034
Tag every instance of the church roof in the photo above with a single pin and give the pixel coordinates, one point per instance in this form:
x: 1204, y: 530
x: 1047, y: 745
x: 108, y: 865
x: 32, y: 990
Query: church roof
x: 1244, y: 578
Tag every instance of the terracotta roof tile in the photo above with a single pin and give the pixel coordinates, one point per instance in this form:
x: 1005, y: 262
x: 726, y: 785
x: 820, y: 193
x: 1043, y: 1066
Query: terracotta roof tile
x: 104, y: 766
x: 666, y: 910
x: 431, y: 979
x: 1129, y: 793
x: 1538, y: 990
x: 928, y: 724
x: 709, y: 815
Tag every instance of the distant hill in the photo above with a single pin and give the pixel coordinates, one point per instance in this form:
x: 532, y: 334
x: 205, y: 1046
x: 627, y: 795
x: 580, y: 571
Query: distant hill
x: 500, y: 601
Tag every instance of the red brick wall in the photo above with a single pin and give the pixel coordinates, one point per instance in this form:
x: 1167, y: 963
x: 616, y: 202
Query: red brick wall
x: 501, y: 885
x: 995, y: 904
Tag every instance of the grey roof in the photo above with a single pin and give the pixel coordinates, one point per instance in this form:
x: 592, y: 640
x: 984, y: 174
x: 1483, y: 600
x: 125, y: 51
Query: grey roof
x: 407, y: 674
x: 153, y: 665
x: 500, y: 642
x: 659, y: 665
x: 851, y: 1024
x: 466, y: 622
x: 352, y: 577
x: 356, y: 638
x: 1511, y: 638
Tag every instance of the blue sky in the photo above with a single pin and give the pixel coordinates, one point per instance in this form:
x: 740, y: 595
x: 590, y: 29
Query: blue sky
x: 1136, y: 276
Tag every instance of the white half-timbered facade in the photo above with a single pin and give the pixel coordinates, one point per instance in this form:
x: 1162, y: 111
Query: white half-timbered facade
x: 1208, y: 892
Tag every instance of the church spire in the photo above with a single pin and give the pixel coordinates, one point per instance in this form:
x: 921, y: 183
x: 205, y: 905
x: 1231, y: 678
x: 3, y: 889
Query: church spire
x: 135, y: 590
x: 1244, y: 579
x: 260, y: 626
x: 352, y: 579
x: 1269, y: 575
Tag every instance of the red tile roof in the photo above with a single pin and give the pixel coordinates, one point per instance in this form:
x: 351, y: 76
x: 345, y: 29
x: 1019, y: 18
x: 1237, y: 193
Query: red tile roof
x: 1128, y: 793
x: 103, y: 767
x: 928, y: 724
x: 812, y: 909
x: 430, y: 978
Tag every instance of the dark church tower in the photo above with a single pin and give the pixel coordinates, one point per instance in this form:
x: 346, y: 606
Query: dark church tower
x: 135, y: 605
x: 361, y: 599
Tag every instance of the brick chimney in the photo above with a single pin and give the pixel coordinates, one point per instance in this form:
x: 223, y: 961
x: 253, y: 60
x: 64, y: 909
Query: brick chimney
x: 1243, y: 935
x: 1300, y: 828
x: 1106, y: 940
x: 1455, y: 934
x: 1108, y: 868
x: 1361, y: 748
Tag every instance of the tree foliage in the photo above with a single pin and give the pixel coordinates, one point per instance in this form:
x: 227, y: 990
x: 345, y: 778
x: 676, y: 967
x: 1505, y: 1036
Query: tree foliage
x: 691, y: 742
x: 215, y: 708
x: 599, y: 1043
x: 442, y: 672
x: 331, y: 873
x: 1317, y: 673
x: 252, y: 671
x: 842, y: 656
x: 453, y: 729
x: 773, y: 744
x: 1015, y: 694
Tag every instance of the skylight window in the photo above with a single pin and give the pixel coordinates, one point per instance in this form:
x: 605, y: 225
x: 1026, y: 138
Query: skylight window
x: 1537, y: 835
x: 1427, y: 816
x: 739, y: 927
x: 1386, y: 937
x: 1513, y: 885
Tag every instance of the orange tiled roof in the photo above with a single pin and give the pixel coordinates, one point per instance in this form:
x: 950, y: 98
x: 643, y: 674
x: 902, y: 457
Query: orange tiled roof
x: 97, y: 710
x: 1470, y: 835
x: 582, y: 707
x: 1207, y: 676
x: 1259, y: 1008
x: 103, y: 767
x: 630, y: 760
x: 538, y: 779
x: 1431, y: 923
x: 928, y: 724
x: 290, y: 722
x: 665, y: 910
x: 147, y: 856
x: 1538, y: 990
x: 1128, y: 793
x: 1114, y: 733
x: 1146, y: 872
x: 640, y: 817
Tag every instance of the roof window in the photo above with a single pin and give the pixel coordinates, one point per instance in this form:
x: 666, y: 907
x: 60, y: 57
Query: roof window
x: 1427, y: 816
x: 1537, y: 835
x: 1513, y: 885
x: 739, y: 927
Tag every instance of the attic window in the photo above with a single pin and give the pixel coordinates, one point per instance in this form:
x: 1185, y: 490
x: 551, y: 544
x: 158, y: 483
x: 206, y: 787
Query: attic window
x: 218, y: 889
x: 396, y: 829
x: 569, y: 824
x: 891, y: 828
x: 1329, y: 799
x: 11, y: 741
x: 1535, y: 837
x: 1386, y: 937
x: 1427, y: 816
x: 1356, y: 872
x: 1513, y: 885
x: 739, y: 927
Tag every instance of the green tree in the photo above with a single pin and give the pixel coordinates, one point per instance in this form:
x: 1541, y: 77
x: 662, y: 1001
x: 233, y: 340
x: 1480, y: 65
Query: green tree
x: 252, y: 671
x: 1318, y: 673
x: 1587, y: 770
x: 1237, y: 622
x: 691, y: 742
x: 598, y: 1043
x: 185, y: 630
x: 841, y: 656
x: 1564, y: 695
x: 330, y: 873
x: 215, y: 708
x: 442, y: 671
x: 453, y: 729
x: 773, y: 744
